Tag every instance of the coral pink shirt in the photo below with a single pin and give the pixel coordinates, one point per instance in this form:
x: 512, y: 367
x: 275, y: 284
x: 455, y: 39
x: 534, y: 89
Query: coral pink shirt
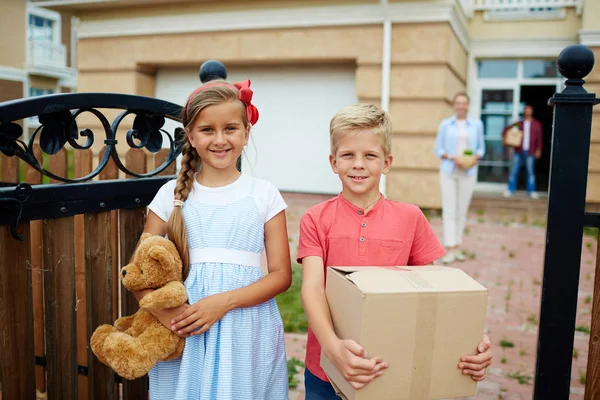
x: 390, y: 234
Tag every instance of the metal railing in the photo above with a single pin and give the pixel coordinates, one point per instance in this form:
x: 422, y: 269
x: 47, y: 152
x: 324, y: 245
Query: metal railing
x: 47, y: 54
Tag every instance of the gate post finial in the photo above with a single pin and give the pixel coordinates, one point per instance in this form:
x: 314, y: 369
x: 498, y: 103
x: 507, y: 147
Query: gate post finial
x: 211, y: 70
x: 575, y: 62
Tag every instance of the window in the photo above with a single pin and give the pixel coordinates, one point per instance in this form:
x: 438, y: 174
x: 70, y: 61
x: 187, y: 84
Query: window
x: 540, y: 69
x: 41, y: 29
x: 33, y: 92
x: 497, y: 69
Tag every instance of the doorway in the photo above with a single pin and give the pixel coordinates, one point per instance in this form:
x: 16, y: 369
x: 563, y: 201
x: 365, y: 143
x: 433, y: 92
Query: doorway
x: 537, y: 97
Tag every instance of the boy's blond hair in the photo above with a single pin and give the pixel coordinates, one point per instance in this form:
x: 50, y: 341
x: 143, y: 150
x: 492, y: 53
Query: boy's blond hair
x: 357, y: 117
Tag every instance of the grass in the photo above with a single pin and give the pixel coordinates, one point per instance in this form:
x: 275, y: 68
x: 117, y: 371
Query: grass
x: 290, y: 304
x: 588, y: 300
x: 521, y: 378
x: 539, y: 223
x: 583, y: 328
x: 532, y: 319
x: 593, y: 232
x: 522, y: 352
x: 575, y: 354
x: 504, y: 360
x: 506, y: 344
x: 582, y: 378
x: 292, y: 365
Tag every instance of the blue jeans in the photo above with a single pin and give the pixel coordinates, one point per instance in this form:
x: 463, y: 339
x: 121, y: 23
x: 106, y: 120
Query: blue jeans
x: 316, y: 389
x: 517, y: 160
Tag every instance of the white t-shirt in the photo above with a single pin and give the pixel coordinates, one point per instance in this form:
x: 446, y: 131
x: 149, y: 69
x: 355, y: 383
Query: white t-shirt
x: 268, y: 199
x: 462, y: 143
x: 526, y: 135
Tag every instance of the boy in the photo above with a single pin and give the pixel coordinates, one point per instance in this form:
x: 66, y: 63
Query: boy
x: 360, y: 227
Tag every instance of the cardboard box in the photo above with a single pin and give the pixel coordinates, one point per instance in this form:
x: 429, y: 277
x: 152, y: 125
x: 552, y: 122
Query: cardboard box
x: 420, y: 320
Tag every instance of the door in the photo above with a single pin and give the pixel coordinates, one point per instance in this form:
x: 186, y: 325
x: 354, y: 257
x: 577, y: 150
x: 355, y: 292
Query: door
x: 496, y: 113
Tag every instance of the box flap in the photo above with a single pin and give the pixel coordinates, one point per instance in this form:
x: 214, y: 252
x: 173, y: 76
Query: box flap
x: 382, y: 280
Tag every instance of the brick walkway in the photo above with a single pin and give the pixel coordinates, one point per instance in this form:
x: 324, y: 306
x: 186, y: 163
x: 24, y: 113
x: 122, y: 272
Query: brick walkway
x: 508, y: 251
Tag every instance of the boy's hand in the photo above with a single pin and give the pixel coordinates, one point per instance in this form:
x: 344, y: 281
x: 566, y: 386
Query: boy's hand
x: 199, y: 317
x: 476, y: 366
x: 353, y: 362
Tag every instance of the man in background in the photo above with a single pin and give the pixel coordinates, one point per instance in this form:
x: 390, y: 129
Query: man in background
x: 529, y: 151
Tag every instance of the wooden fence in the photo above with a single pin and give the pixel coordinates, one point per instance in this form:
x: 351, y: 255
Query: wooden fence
x: 61, y: 282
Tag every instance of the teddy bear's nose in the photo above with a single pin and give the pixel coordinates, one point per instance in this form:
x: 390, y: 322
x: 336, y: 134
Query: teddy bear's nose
x: 124, y: 272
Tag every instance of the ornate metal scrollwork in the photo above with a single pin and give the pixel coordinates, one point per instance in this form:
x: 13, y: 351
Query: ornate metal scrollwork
x: 57, y: 115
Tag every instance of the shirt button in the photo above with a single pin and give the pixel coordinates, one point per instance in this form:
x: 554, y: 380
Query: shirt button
x: 360, y: 212
x: 364, y: 224
x: 362, y: 239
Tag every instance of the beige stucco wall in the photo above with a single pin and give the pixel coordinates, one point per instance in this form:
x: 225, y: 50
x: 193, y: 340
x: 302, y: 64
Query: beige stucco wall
x: 429, y: 68
x: 43, y: 82
x: 12, y: 33
x: 593, y: 86
x: 568, y: 27
x: 146, y: 8
x: 591, y: 15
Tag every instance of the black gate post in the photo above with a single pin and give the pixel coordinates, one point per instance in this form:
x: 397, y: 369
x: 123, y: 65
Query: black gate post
x: 566, y: 214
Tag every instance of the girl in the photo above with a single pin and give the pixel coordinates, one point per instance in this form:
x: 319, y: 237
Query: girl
x: 456, y: 135
x: 220, y: 221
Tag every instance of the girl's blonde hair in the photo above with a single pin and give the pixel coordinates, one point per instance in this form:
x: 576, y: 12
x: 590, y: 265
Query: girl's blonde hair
x: 357, y: 117
x: 213, y: 93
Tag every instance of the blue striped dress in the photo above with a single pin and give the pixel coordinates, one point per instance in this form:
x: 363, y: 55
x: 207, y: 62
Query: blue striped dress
x: 242, y: 356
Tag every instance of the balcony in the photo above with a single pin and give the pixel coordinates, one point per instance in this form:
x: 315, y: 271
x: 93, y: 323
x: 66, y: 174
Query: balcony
x: 49, y: 59
x: 524, y: 9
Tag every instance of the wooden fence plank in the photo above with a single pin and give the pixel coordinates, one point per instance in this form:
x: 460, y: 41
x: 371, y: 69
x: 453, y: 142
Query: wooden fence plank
x: 111, y: 171
x: 59, y: 164
x: 131, y: 226
x: 159, y: 158
x: 33, y: 177
x: 10, y: 169
x: 82, y: 165
x: 99, y: 286
x: 17, y: 359
x: 592, y: 381
x: 60, y: 303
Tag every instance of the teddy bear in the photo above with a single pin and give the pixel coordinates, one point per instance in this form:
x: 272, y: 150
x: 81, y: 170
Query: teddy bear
x: 133, y: 345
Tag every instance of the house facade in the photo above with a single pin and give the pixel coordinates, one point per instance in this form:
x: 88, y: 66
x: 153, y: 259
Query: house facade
x: 38, y: 52
x: 308, y: 58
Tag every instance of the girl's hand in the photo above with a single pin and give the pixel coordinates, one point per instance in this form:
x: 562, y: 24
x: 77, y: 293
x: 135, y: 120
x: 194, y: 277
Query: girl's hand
x: 352, y: 360
x: 199, y: 317
x: 476, y: 366
x: 166, y: 315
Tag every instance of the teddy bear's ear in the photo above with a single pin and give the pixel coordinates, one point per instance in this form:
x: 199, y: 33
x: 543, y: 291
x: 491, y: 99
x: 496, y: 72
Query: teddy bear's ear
x: 161, y: 255
x: 145, y: 236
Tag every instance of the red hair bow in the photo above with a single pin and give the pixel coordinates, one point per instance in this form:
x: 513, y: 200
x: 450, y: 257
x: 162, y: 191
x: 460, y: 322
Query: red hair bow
x: 246, y: 98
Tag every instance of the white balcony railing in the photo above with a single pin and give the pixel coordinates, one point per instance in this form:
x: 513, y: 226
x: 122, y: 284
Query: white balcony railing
x: 500, y: 5
x: 47, y: 54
